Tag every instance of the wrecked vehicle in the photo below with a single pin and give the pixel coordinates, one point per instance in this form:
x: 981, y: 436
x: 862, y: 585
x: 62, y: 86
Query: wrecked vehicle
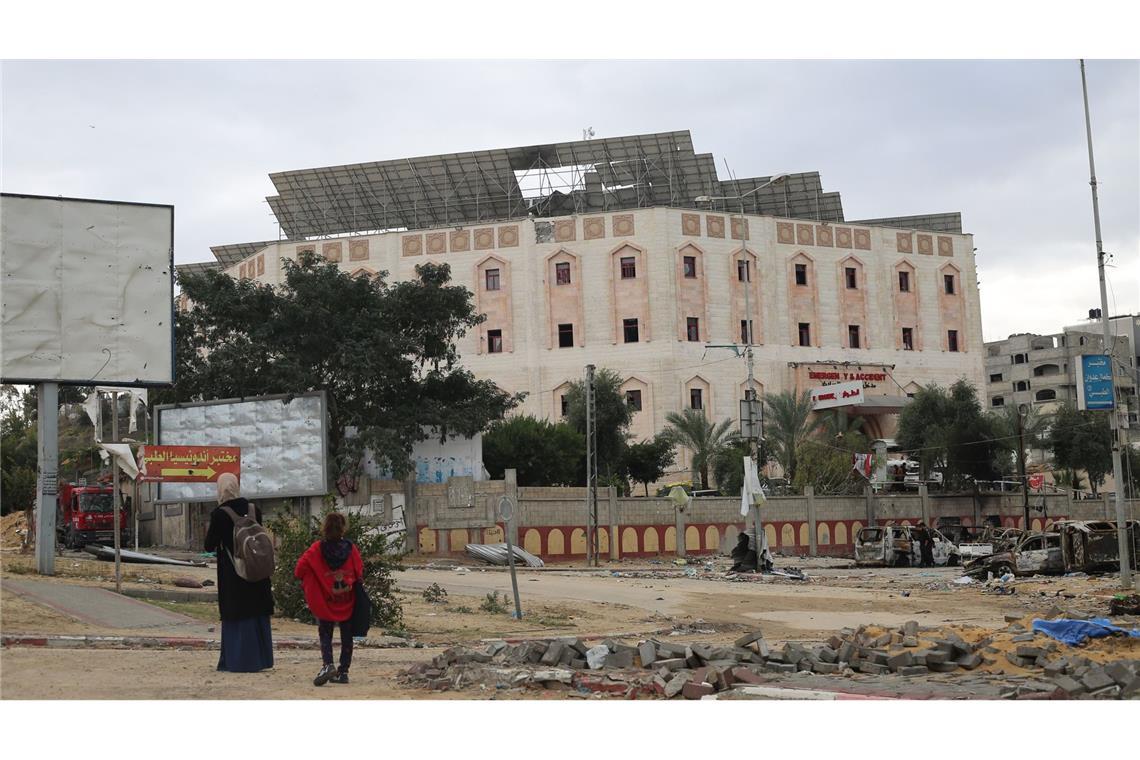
x: 1037, y: 553
x: 1089, y: 546
x: 896, y: 546
x: 990, y: 541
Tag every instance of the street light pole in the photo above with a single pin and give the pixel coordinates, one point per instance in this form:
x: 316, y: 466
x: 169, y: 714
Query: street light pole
x: 1021, y: 463
x: 1117, y: 472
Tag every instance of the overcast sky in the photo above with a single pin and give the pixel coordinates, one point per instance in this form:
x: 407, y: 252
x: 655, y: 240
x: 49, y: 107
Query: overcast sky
x: 1003, y: 142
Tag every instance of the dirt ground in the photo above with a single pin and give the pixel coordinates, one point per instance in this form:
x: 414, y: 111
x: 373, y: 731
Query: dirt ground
x: 639, y: 598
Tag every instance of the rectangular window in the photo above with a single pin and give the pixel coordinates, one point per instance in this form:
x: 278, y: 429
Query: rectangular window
x: 805, y: 334
x: 904, y: 282
x: 743, y: 271
x: 494, y: 341
x: 696, y: 401
x: 853, y: 336
x: 746, y: 331
x: 908, y: 339
x: 997, y: 401
x: 628, y: 267
x: 566, y: 336
x: 562, y: 273
x: 629, y: 328
x: 948, y: 283
x: 565, y: 405
x: 952, y: 340
x: 801, y: 274
x: 492, y: 279
x: 852, y: 283
x: 693, y: 329
x: 633, y: 400
x: 996, y: 378
x: 690, y: 266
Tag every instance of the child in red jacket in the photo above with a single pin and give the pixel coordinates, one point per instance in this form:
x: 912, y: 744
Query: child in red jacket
x: 328, y: 569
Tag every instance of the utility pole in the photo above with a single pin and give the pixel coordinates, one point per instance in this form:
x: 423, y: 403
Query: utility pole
x: 750, y: 394
x: 1021, y: 463
x: 1117, y: 472
x: 591, y: 472
x: 47, y: 486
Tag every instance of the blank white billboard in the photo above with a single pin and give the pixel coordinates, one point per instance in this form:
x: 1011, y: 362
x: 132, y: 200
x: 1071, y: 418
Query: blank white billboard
x: 283, y: 445
x: 87, y: 291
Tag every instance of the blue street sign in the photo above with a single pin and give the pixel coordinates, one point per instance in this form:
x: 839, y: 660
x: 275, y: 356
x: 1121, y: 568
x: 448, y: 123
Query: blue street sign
x: 1094, y: 383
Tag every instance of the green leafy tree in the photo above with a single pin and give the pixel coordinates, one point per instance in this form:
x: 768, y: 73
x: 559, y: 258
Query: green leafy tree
x: 648, y: 461
x: 728, y: 465
x: 613, y: 416
x: 384, y: 354
x: 788, y: 423
x: 1082, y: 440
x: 692, y: 430
x: 293, y: 535
x: 947, y: 429
x: 543, y: 453
x: 824, y: 463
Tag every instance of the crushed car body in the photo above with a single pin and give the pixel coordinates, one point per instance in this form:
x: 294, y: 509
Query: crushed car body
x: 896, y: 546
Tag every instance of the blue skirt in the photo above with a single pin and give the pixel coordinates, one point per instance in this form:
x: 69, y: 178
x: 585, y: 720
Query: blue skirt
x: 247, y: 645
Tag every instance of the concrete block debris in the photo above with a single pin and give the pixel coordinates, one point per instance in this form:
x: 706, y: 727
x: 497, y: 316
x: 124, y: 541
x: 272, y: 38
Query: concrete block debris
x: 1002, y: 662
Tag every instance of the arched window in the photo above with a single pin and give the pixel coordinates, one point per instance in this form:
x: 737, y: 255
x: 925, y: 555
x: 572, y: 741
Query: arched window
x: 1046, y: 395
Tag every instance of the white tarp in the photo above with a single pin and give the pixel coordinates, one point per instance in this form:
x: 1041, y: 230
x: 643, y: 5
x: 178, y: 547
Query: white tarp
x: 840, y: 394
x: 87, y: 291
x: 283, y: 445
x: 436, y: 462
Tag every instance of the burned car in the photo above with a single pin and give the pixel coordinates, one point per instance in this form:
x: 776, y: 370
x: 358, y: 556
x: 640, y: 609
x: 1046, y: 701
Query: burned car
x: 1090, y: 546
x: 989, y: 541
x: 1036, y: 553
x: 896, y: 546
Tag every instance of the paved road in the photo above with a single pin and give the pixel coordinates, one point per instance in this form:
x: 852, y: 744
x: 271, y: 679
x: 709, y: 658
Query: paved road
x: 105, y: 609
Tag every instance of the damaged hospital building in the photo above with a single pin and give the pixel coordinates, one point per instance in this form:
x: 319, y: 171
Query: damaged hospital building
x: 630, y: 253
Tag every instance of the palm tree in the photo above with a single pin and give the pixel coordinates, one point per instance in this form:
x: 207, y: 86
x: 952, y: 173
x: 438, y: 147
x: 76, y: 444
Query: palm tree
x: 705, y: 439
x: 838, y: 425
x: 787, y: 423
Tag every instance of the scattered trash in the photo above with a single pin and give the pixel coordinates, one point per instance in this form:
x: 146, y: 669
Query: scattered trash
x: 965, y: 580
x: 680, y: 561
x: 1122, y: 604
x: 462, y: 570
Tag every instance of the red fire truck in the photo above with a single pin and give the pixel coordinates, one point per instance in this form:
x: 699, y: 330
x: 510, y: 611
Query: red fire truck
x: 85, y: 515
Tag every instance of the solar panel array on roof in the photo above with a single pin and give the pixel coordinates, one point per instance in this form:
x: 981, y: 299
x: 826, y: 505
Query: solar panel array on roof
x: 584, y: 176
x: 229, y: 255
x: 948, y: 222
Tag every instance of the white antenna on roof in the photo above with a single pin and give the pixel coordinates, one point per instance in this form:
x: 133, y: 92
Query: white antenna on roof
x: 587, y: 133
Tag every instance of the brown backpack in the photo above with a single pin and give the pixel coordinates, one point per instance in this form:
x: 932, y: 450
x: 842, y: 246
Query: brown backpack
x: 253, y: 548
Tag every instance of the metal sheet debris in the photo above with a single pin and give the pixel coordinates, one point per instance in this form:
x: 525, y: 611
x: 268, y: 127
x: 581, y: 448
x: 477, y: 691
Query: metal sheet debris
x: 496, y: 554
x: 105, y: 552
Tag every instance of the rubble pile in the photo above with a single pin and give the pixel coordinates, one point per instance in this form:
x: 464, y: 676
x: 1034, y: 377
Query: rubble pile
x: 662, y: 669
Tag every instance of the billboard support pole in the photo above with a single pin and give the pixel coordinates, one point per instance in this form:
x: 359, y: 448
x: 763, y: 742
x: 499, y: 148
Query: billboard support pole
x: 47, y: 486
x: 1117, y: 473
x: 115, y: 496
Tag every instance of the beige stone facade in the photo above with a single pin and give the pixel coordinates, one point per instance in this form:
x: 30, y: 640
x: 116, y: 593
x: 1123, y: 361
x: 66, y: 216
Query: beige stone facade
x: 666, y: 276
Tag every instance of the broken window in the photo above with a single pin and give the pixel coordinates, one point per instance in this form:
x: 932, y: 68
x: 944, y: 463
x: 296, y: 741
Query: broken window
x: 494, y: 341
x: 693, y: 329
x: 565, y: 336
x: 801, y: 274
x: 633, y: 399
x: 562, y: 273
x: 904, y: 282
x: 690, y: 263
x: 852, y: 283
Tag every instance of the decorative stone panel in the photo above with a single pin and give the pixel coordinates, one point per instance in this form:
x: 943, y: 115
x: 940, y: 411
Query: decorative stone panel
x: 358, y: 250
x: 509, y: 236
x: 903, y: 242
x: 823, y: 236
x: 460, y: 241
x: 412, y: 245
x: 261, y: 264
x: 565, y: 230
x: 842, y: 237
x: 484, y: 239
x: 623, y: 225
x: 333, y: 251
x: 926, y: 245
x: 863, y: 240
x: 786, y: 233
x: 690, y: 224
x: 714, y: 226
x: 593, y: 228
x: 805, y: 234
x: 306, y: 249
x: 436, y: 242
x: 739, y: 228
x: 945, y: 246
